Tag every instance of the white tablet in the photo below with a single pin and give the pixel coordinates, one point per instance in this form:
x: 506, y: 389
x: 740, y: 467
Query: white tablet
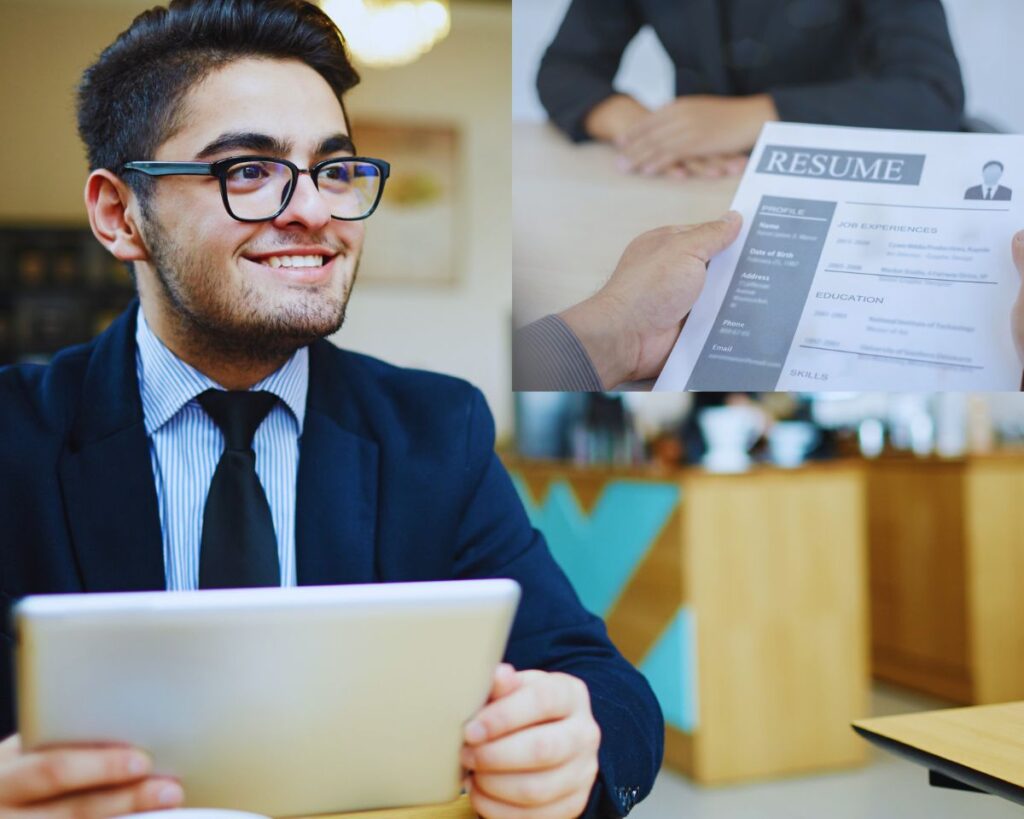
x: 277, y: 701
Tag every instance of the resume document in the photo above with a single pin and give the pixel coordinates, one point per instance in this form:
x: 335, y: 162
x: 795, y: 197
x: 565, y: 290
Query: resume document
x: 868, y: 260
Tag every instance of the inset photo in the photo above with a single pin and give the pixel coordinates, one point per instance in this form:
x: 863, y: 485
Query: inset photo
x: 792, y: 195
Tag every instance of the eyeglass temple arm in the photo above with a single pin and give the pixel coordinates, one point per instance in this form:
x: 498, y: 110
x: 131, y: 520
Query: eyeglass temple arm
x: 169, y: 168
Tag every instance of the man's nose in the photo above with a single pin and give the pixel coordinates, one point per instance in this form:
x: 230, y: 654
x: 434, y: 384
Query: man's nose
x: 306, y: 207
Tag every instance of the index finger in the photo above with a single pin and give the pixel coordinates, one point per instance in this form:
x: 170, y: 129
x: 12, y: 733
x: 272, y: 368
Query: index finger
x: 49, y: 774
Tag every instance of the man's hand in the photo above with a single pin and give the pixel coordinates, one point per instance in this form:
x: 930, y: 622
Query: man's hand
x: 531, y: 752
x: 612, y: 118
x: 692, y: 127
x: 629, y: 326
x: 1017, y: 313
x: 81, y: 782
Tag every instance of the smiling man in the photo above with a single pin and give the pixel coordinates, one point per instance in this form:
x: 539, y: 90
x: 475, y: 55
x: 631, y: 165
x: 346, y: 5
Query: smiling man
x: 212, y: 438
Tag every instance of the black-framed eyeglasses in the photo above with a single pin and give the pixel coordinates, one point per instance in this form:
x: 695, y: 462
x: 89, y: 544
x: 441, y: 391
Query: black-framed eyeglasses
x: 259, y: 188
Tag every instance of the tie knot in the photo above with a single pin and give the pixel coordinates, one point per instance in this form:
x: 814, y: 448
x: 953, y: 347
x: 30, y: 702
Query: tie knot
x: 238, y: 414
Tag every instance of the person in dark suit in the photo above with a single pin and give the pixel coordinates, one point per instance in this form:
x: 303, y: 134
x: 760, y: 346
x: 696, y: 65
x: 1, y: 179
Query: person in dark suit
x: 224, y: 171
x: 741, y: 63
x: 992, y: 172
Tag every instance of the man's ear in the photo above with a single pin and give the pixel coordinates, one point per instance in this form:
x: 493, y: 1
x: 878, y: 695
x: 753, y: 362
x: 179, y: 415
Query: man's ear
x: 107, y: 198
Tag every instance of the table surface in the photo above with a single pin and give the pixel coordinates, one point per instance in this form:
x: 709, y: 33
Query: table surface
x: 982, y: 746
x: 574, y: 213
x: 459, y: 809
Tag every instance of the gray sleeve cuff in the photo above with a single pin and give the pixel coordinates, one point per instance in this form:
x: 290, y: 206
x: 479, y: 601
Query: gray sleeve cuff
x: 546, y: 355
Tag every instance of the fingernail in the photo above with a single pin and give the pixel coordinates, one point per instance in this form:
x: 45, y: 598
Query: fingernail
x: 475, y: 732
x: 1019, y: 237
x: 138, y: 764
x: 729, y: 216
x: 623, y: 164
x: 648, y: 170
x: 170, y: 794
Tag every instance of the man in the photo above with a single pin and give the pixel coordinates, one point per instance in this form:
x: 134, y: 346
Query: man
x: 739, y: 64
x: 991, y: 173
x: 224, y: 171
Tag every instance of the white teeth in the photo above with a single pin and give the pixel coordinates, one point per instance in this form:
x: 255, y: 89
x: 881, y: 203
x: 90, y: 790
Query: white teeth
x: 294, y: 261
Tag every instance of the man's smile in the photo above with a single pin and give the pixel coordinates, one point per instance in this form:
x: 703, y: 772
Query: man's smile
x: 295, y: 261
x: 298, y: 265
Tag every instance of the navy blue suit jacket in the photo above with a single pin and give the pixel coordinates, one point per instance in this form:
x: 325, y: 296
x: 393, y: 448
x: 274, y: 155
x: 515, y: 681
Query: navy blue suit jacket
x: 398, y: 481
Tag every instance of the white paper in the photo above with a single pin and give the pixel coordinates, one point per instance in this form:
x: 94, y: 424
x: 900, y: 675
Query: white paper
x: 868, y: 260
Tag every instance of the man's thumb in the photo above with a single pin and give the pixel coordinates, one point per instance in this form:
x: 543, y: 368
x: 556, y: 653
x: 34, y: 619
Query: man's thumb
x: 704, y: 241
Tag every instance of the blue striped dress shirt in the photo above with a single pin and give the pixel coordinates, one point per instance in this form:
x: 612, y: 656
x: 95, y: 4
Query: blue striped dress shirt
x: 185, y: 446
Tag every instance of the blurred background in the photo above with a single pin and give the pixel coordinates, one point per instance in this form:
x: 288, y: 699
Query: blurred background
x: 781, y: 565
x: 438, y: 250
x: 777, y: 565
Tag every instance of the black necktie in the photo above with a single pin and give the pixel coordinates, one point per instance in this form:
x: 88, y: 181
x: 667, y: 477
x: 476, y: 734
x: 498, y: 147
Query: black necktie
x: 238, y: 547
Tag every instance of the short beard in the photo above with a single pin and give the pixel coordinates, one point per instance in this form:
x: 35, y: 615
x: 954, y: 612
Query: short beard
x: 245, y: 329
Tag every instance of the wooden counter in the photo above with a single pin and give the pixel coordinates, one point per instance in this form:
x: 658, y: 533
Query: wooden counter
x: 742, y: 598
x: 947, y: 564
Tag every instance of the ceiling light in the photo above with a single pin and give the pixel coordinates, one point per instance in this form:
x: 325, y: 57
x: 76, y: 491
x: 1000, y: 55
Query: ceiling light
x: 390, y: 32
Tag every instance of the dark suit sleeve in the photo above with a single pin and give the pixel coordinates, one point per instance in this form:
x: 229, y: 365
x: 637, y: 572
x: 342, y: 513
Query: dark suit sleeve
x: 910, y: 77
x: 552, y: 630
x: 578, y: 67
x: 547, y: 355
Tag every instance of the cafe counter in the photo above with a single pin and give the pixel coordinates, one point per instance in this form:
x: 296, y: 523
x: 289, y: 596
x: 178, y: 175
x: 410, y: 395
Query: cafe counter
x: 759, y: 604
x: 742, y: 598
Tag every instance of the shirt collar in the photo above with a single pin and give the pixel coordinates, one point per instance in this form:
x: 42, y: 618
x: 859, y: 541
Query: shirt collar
x: 166, y: 383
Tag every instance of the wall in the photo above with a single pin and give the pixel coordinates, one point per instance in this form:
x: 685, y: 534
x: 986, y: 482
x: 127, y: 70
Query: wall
x: 460, y: 329
x: 986, y: 35
x: 464, y: 329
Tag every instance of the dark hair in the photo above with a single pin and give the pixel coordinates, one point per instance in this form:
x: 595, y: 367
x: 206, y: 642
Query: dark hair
x: 993, y: 162
x: 129, y: 100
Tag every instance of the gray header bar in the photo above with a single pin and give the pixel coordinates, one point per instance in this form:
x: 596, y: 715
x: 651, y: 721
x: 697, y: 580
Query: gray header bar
x: 850, y: 166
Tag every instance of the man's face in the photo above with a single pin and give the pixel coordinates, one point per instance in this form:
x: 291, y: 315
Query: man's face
x: 991, y: 174
x: 234, y: 282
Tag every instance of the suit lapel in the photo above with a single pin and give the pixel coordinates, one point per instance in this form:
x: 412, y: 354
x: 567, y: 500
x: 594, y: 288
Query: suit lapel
x: 336, y: 508
x: 110, y: 500
x: 105, y: 473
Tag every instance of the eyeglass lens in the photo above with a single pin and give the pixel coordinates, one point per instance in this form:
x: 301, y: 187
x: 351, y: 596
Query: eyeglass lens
x: 256, y: 189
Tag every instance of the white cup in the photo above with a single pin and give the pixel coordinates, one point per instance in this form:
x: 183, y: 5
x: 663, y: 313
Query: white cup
x: 790, y: 441
x: 729, y: 433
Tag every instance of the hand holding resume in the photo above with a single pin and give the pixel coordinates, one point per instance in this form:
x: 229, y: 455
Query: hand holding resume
x: 879, y: 269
